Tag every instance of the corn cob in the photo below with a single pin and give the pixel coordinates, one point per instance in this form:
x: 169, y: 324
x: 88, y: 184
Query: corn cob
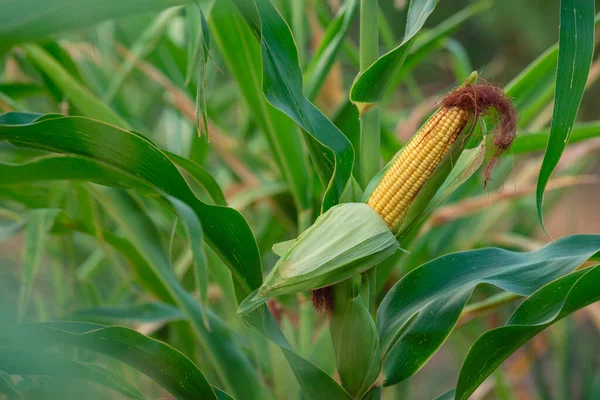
x: 415, y: 164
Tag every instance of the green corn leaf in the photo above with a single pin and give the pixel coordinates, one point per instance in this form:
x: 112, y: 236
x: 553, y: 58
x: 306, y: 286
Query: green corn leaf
x: 283, y: 88
x: 370, y: 86
x: 460, y: 60
x: 19, y: 361
x: 539, y: 73
x: 233, y: 368
x: 8, y: 388
x: 63, y: 167
x: 421, y: 310
x: 201, y: 105
x: 528, y: 142
x: 575, y: 51
x: 428, y: 41
x: 234, y: 37
x: 142, y: 271
x: 315, y: 383
x: 325, y: 55
x: 143, y: 45
x: 39, y: 223
x: 546, y: 306
x: 331, y: 152
x: 85, y: 101
x: 134, y: 221
x: 128, y: 315
x: 22, y: 20
x: 201, y: 176
x: 18, y: 90
x: 159, y: 361
x: 135, y: 155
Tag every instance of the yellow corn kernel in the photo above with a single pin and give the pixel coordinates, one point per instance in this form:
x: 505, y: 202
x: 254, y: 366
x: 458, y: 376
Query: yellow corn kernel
x: 415, y: 164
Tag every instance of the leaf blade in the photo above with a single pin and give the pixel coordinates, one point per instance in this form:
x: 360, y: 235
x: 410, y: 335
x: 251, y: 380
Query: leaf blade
x: 575, y: 51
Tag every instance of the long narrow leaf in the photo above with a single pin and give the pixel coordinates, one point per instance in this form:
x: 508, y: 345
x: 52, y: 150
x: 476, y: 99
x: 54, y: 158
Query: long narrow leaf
x: 370, y: 86
x: 137, y: 156
x: 235, y: 38
x: 18, y: 361
x: 420, y: 311
x: 575, y: 51
x: 165, y: 365
x: 22, y: 20
x: 283, y: 88
x: 543, y: 308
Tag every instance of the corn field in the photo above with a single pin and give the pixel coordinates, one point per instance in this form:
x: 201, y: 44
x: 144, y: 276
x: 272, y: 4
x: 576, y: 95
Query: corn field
x: 299, y: 199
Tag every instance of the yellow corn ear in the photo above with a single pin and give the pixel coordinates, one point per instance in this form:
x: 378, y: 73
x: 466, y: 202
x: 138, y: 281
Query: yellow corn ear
x: 415, y: 164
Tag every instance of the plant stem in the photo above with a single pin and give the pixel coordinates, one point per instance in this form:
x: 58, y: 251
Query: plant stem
x: 370, y: 140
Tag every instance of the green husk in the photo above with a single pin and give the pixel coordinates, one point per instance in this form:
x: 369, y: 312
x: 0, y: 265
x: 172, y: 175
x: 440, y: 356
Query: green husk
x: 343, y: 242
x: 355, y: 340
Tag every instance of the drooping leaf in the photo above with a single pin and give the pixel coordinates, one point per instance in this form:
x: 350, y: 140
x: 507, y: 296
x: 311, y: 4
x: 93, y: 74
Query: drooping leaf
x: 232, y: 366
x: 226, y: 229
x: 200, y: 176
x: 135, y: 155
x: 575, y: 51
x: 233, y: 38
x: 140, y: 313
x: 67, y: 167
x: 420, y: 311
x: 370, y: 86
x: 283, y: 88
x: 546, y: 306
x: 159, y: 361
x: 20, y: 361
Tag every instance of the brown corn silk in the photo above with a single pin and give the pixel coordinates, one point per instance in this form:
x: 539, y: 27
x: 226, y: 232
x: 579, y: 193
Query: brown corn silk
x: 423, y: 154
x: 322, y: 300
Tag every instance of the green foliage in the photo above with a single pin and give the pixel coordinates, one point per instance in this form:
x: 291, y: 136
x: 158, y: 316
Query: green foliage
x: 157, y: 157
x: 575, y: 52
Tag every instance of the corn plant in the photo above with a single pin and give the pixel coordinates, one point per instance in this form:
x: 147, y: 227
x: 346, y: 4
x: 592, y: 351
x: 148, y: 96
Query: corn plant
x: 196, y: 204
